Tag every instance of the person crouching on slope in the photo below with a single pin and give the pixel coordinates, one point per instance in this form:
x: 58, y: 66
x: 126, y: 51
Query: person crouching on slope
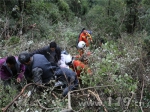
x: 38, y: 68
x: 83, y: 53
x: 11, y: 68
x: 68, y: 78
x: 77, y: 66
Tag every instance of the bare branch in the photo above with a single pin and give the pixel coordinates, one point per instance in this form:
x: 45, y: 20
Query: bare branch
x: 98, y: 98
x: 92, y: 88
x: 69, y: 101
x: 141, y: 97
x: 46, y: 107
x: 130, y: 101
x: 5, y: 108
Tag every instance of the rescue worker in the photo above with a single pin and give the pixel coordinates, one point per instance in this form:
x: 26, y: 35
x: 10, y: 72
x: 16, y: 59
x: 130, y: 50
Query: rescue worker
x: 85, y: 36
x: 51, y: 52
x: 38, y: 68
x: 83, y: 52
x: 68, y: 79
x: 77, y: 66
x: 10, y: 68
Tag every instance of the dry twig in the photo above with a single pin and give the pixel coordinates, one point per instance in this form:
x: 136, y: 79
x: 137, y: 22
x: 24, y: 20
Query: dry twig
x: 69, y: 100
x: 92, y: 88
x: 98, y: 98
x: 45, y: 108
x: 128, y: 104
x: 5, y: 108
x: 141, y: 97
x: 54, y: 95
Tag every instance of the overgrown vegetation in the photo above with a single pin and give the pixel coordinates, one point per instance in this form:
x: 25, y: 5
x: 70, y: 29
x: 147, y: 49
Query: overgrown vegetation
x: 120, y: 67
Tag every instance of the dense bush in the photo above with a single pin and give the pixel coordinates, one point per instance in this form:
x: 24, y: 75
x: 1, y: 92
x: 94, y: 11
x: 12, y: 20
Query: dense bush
x: 120, y: 67
x: 146, y: 45
x: 107, y: 20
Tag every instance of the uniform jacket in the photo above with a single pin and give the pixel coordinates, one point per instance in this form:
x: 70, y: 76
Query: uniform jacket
x: 79, y: 67
x: 84, y: 37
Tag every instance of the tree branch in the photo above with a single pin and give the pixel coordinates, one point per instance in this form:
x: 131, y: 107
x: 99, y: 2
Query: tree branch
x: 141, y: 97
x: 98, y: 99
x: 46, y: 107
x: 5, y: 108
x: 91, y: 88
x: 69, y: 100
x: 130, y: 101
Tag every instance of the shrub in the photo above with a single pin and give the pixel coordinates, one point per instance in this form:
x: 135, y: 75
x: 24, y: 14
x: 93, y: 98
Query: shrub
x: 13, y: 40
x: 146, y: 44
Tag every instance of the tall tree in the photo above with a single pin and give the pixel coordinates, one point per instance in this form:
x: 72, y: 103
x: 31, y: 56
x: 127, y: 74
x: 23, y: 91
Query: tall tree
x: 132, y: 15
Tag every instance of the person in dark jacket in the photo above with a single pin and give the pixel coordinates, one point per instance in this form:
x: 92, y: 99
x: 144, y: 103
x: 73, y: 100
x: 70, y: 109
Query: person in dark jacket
x: 38, y: 68
x: 10, y: 68
x: 68, y: 78
x: 51, y: 52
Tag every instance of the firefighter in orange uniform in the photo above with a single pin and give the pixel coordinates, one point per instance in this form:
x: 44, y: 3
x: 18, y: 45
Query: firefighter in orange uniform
x: 85, y: 36
x: 83, y: 53
x: 77, y: 66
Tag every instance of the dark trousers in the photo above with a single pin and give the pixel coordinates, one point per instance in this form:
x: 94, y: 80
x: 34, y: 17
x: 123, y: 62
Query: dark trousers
x: 73, y: 84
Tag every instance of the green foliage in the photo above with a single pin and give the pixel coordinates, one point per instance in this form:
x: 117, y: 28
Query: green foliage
x: 13, y: 40
x: 127, y: 83
x: 63, y: 6
x: 64, y: 9
x: 61, y: 20
x: 147, y: 2
x: 109, y: 72
x: 146, y: 44
x: 132, y: 20
x: 70, y: 38
x: 48, y: 14
x: 47, y: 10
x: 110, y: 69
x: 7, y: 5
x: 85, y: 7
x: 79, y: 7
x: 145, y: 20
x: 146, y: 98
x: 111, y: 17
x: 7, y: 94
x: 30, y: 98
